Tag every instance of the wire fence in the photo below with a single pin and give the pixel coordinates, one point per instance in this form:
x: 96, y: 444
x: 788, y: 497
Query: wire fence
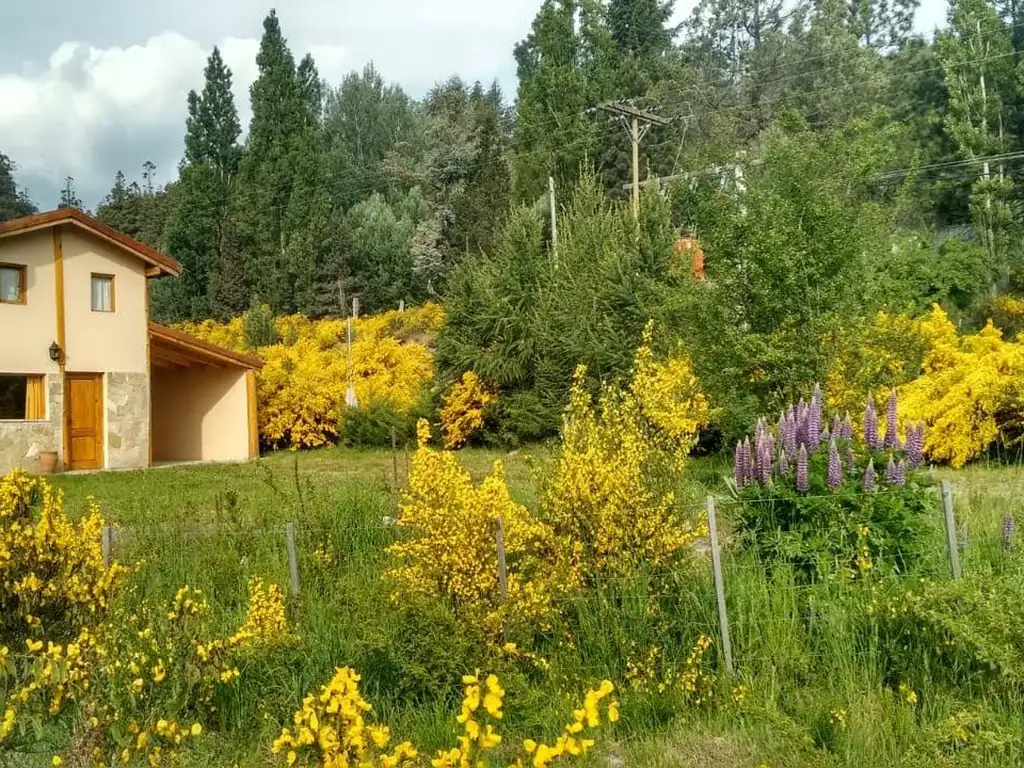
x: 296, y: 551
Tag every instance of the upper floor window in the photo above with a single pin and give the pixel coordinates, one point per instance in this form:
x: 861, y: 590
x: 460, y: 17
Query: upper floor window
x: 102, y: 293
x: 12, y: 284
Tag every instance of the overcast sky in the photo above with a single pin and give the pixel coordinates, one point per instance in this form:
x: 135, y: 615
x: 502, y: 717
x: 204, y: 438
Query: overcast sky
x: 87, y: 88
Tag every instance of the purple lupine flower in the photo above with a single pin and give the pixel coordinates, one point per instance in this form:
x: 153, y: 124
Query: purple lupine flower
x: 764, y: 464
x: 802, y: 414
x: 783, y: 462
x: 802, y: 480
x: 915, y: 445
x: 847, y: 428
x: 759, y: 432
x: 871, y: 425
x: 868, y: 484
x: 901, y: 473
x: 739, y: 472
x: 837, y: 427
x: 892, y: 438
x: 814, y: 420
x: 835, y: 466
x: 789, y: 437
x: 848, y: 459
x: 748, y: 460
x: 891, y: 473
x: 1009, y: 526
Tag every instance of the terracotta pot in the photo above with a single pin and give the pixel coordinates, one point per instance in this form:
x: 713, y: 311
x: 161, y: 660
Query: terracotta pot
x: 48, y: 462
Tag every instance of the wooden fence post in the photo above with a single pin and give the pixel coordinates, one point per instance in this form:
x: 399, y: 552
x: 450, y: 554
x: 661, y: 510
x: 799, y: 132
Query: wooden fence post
x: 499, y: 534
x: 394, y: 459
x: 716, y: 565
x: 293, y: 567
x: 106, y: 540
x: 951, y: 542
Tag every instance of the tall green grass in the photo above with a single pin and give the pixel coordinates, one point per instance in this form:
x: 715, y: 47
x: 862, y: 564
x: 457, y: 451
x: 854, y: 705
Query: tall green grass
x: 803, y: 652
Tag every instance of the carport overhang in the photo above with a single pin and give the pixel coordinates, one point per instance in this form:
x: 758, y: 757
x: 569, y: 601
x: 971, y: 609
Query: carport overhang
x: 173, y: 350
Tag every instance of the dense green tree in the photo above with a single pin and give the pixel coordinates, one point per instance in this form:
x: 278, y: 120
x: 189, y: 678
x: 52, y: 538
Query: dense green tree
x: 640, y: 27
x: 197, y: 231
x: 378, y: 252
x: 790, y: 258
x: 524, y: 318
x: 266, y: 173
x: 365, y: 120
x: 553, y: 135
x: 981, y: 82
x: 883, y: 23
x: 14, y: 201
x: 480, y: 210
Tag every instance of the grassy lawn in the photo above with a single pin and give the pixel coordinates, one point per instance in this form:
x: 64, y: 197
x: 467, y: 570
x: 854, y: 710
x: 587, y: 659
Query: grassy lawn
x: 214, y: 527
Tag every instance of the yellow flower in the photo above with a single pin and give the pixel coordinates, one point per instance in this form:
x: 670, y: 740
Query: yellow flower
x: 57, y: 760
x: 196, y: 729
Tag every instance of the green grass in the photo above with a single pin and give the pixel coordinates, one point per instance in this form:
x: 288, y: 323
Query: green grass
x: 801, y: 652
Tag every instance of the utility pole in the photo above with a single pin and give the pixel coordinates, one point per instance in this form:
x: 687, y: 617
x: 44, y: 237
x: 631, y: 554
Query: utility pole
x: 637, y: 122
x: 554, y: 215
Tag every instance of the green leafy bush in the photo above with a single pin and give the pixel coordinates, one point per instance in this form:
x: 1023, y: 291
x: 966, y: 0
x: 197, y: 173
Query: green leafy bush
x: 964, y: 633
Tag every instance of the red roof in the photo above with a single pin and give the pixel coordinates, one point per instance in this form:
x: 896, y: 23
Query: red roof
x: 164, y: 264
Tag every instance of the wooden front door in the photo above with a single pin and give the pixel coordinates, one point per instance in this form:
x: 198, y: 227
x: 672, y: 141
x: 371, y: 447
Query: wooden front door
x: 85, y: 420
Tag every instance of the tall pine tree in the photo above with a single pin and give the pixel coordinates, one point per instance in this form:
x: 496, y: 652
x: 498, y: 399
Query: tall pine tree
x: 197, y: 233
x: 267, y: 173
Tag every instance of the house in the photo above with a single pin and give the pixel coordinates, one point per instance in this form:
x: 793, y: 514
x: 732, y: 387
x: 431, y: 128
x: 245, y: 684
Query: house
x: 86, y: 375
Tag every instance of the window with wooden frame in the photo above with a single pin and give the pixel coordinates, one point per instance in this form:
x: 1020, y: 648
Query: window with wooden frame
x: 102, y: 293
x: 22, y: 398
x: 12, y: 283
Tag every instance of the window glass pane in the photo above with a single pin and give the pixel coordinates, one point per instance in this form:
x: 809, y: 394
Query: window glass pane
x: 13, y: 391
x: 101, y: 294
x: 10, y: 284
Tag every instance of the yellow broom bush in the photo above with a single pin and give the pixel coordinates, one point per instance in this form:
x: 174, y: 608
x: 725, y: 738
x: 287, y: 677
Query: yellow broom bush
x: 450, y: 549
x: 611, y: 500
x: 302, y: 387
x: 334, y: 729
x: 463, y: 412
x: 52, y: 576
x: 970, y: 394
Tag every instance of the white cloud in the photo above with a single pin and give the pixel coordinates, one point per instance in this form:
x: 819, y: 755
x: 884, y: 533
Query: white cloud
x: 88, y: 108
x: 54, y: 122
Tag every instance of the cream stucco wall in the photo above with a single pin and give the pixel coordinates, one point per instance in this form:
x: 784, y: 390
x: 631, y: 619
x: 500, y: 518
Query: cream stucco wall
x: 104, y: 341
x: 200, y: 414
x: 27, y: 330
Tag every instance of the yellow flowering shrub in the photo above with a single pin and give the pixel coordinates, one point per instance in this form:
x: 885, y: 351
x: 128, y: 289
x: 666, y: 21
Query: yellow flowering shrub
x: 143, y: 680
x: 1007, y: 313
x: 878, y: 356
x: 692, y: 679
x: 230, y: 334
x: 302, y: 387
x: 971, y: 392
x: 52, y: 576
x: 669, y: 397
x: 333, y: 729
x: 463, y: 411
x: 610, y: 499
x: 449, y: 548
